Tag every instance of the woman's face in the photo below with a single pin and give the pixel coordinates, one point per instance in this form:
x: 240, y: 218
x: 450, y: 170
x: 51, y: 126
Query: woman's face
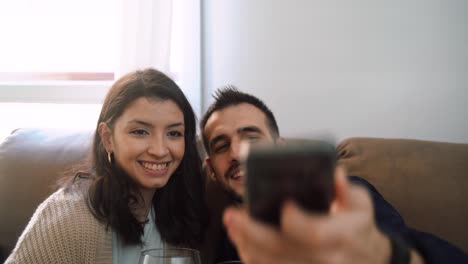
x: 148, y: 141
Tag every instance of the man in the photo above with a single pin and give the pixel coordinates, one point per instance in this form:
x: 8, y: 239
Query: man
x: 361, y: 227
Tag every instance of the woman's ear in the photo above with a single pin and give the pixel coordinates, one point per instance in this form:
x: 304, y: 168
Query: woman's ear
x: 106, y: 136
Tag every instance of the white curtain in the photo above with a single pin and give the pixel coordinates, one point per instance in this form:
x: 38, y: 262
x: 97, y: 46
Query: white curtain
x: 163, y: 34
x: 146, y: 35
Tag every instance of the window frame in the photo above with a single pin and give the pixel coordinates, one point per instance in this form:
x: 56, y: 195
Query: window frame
x: 49, y: 91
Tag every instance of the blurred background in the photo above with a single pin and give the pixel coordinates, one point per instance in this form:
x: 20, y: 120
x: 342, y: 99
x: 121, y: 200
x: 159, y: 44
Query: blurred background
x: 396, y: 69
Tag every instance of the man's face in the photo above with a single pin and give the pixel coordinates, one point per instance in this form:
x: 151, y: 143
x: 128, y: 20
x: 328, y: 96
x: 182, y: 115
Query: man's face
x: 224, y: 131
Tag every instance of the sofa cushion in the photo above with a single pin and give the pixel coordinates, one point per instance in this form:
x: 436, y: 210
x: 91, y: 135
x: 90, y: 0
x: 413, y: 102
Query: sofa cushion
x: 426, y: 181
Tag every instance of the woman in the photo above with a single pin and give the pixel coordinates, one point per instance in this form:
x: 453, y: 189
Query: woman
x: 144, y: 188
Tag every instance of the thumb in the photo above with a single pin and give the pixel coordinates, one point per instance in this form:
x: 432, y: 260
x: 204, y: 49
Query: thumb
x: 348, y: 196
x: 341, y: 186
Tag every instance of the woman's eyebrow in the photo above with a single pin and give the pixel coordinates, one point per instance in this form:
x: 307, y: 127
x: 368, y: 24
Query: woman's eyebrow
x: 176, y: 125
x: 140, y: 122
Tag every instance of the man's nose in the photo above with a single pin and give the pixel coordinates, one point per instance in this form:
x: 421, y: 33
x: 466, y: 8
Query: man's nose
x: 234, y: 150
x: 158, y: 147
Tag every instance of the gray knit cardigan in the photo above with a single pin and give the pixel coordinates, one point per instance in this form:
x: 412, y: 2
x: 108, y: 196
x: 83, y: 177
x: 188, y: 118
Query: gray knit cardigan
x: 63, y: 230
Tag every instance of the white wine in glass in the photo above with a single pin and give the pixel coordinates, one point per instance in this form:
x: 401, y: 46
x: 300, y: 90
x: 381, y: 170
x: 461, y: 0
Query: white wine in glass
x: 170, y: 256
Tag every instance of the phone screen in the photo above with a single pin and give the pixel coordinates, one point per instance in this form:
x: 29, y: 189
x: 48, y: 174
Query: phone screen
x: 302, y: 172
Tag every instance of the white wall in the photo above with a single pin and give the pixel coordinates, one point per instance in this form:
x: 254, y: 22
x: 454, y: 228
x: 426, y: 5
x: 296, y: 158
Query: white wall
x: 353, y: 68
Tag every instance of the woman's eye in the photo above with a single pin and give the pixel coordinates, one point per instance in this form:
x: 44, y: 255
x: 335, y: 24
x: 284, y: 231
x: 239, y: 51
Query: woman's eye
x: 175, y: 134
x: 139, y: 132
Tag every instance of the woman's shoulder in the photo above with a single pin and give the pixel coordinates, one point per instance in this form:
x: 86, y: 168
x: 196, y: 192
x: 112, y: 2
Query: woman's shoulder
x: 68, y: 207
x: 62, y: 223
x: 66, y: 199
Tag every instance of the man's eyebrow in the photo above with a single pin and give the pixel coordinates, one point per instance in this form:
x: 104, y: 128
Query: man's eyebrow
x: 249, y: 129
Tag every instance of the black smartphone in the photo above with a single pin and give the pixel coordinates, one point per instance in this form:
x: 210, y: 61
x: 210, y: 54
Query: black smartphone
x: 301, y: 171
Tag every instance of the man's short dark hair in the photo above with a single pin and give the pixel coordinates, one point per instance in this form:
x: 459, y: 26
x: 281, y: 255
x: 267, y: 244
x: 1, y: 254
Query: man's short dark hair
x: 229, y: 95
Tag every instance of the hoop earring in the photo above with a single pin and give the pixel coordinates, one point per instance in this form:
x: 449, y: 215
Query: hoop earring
x: 109, y: 157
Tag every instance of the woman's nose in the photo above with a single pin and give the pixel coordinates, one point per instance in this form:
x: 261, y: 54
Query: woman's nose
x: 158, y: 147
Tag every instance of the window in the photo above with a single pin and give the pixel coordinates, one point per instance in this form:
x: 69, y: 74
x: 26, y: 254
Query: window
x: 62, y: 56
x: 58, y: 40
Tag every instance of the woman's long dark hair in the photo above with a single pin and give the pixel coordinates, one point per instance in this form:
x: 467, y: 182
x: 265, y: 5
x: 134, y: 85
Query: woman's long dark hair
x: 179, y: 205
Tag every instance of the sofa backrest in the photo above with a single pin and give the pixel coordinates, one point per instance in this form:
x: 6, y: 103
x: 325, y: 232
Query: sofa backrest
x: 427, y: 182
x: 31, y: 162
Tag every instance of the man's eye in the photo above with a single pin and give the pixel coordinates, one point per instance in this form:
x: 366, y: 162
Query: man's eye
x: 253, y: 138
x: 175, y: 133
x: 220, y: 148
x: 139, y: 132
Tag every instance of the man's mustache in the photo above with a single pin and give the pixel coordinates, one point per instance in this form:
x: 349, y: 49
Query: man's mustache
x: 232, y: 168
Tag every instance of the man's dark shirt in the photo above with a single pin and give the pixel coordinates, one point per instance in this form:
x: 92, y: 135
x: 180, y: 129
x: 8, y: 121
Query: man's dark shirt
x: 433, y: 250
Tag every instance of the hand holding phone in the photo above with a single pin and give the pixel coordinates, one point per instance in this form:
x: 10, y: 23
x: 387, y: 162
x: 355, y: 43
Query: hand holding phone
x: 299, y: 171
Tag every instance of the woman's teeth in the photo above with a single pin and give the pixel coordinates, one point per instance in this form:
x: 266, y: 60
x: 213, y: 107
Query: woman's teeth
x: 153, y: 166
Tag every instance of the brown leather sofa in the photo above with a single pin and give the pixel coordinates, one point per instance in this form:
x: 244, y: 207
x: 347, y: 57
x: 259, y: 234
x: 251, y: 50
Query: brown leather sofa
x: 426, y: 181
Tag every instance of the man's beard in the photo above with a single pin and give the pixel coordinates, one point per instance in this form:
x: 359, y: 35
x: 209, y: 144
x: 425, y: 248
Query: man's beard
x: 236, y: 198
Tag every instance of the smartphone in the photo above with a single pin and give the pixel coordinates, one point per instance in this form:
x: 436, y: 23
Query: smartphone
x: 301, y: 171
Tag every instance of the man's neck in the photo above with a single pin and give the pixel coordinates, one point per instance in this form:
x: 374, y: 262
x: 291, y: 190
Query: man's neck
x: 234, y: 198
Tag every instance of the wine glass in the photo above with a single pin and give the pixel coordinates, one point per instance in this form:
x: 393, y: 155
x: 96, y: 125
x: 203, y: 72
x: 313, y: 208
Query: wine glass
x: 170, y: 256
